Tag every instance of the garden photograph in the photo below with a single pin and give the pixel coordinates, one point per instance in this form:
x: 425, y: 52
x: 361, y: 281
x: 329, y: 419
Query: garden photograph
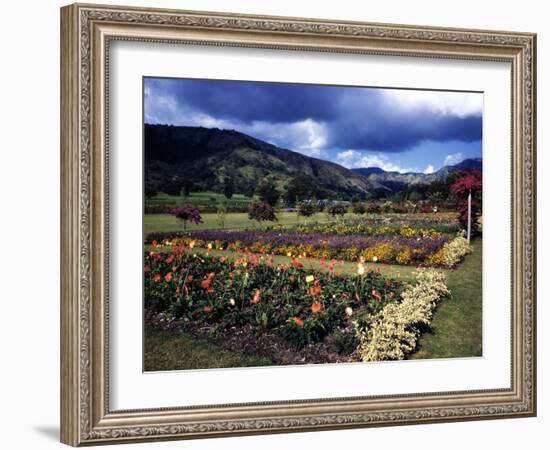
x: 289, y: 224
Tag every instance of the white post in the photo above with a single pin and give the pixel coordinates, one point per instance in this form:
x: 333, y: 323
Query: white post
x: 469, y: 215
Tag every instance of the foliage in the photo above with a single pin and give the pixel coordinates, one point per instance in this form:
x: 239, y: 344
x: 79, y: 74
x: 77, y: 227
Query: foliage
x: 452, y: 252
x: 337, y: 209
x: 358, y: 208
x: 261, y: 212
x: 228, y: 187
x: 468, y: 182
x: 268, y: 193
x: 395, y: 332
x: 306, y: 209
x: 187, y: 214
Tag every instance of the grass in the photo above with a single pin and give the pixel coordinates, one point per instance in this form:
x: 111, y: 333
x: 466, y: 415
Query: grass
x: 166, y: 350
x: 233, y: 221
x: 456, y: 328
x: 197, y: 199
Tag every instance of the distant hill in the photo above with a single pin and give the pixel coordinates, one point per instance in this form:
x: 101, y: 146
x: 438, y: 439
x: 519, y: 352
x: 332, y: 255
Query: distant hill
x: 205, y: 157
x: 396, y: 181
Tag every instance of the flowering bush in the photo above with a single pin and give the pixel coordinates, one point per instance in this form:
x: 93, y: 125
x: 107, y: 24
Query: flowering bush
x: 395, y: 331
x: 261, y: 211
x: 452, y: 252
x: 299, y: 304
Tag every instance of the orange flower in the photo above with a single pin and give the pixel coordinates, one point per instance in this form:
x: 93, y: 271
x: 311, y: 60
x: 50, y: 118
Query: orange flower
x: 154, y: 243
x: 297, y: 263
x: 207, y: 309
x: 256, y: 299
x: 316, y: 307
x: 157, y: 278
x: 315, y: 290
x: 205, y: 284
x: 168, y: 276
x: 298, y: 321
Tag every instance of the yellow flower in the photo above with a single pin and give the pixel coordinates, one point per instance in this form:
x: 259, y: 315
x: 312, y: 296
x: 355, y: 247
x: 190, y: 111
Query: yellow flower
x: 245, y: 264
x: 374, y: 259
x: 310, y: 278
x: 360, y: 269
x: 349, y: 311
x: 191, y: 244
x: 289, y: 254
x: 209, y: 246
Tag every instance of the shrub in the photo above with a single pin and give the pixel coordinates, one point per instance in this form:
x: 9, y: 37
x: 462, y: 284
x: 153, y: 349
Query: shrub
x: 306, y: 209
x: 395, y: 332
x: 187, y: 214
x: 261, y: 211
x: 358, y: 208
x: 373, y: 208
x: 337, y: 209
x: 452, y: 252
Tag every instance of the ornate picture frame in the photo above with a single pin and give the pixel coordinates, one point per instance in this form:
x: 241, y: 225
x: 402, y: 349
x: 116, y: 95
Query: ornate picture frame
x: 87, y: 31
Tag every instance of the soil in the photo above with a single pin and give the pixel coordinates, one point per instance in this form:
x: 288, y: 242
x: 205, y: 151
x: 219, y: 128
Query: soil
x: 245, y: 340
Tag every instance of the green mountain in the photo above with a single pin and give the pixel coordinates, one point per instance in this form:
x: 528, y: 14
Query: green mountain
x: 205, y: 158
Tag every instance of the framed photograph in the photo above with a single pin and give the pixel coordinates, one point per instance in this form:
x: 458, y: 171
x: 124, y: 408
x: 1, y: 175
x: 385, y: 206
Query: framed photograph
x: 278, y: 224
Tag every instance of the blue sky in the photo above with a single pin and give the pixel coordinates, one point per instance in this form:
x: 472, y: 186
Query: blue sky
x: 395, y: 129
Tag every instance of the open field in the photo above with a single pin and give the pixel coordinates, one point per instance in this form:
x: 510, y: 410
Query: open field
x: 233, y: 221
x: 197, y: 199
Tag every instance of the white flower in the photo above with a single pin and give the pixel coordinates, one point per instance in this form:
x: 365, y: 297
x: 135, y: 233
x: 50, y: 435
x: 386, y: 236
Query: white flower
x: 360, y: 269
x: 374, y: 259
x: 232, y: 301
x: 349, y: 311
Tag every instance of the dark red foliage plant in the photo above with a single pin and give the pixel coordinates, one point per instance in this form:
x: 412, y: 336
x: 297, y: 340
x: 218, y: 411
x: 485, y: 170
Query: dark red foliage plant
x: 469, y: 182
x: 187, y: 214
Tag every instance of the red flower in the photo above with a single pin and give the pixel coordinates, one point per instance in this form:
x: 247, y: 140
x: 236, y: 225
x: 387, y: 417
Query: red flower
x: 207, y: 309
x: 256, y: 299
x: 157, y: 278
x: 147, y: 269
x: 168, y: 276
x: 297, y: 263
x: 316, y: 307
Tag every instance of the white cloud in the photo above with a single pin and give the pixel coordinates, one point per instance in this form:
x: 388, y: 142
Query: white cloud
x: 353, y: 158
x: 458, y: 104
x: 452, y: 159
x: 429, y: 169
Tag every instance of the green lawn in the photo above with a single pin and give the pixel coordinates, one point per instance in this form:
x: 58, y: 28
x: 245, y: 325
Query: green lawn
x: 456, y: 329
x: 197, y: 199
x: 233, y: 221
x: 166, y: 350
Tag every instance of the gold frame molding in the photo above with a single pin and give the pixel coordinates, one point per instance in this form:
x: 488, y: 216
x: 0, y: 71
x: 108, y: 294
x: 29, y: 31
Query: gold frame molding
x: 86, y: 31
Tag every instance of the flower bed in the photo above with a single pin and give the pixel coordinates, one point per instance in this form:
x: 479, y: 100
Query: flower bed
x: 300, y: 305
x: 384, y: 249
x: 365, y: 227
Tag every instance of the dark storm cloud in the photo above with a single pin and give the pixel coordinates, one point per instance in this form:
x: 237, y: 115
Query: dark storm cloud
x: 350, y: 117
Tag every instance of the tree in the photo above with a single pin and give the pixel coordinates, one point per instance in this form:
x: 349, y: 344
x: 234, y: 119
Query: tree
x: 187, y: 214
x: 467, y: 189
x: 337, y: 209
x: 186, y: 186
x: 151, y: 189
x: 306, y: 209
x: 268, y: 193
x: 358, y: 208
x: 228, y: 187
x: 261, y: 211
x: 222, y: 212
